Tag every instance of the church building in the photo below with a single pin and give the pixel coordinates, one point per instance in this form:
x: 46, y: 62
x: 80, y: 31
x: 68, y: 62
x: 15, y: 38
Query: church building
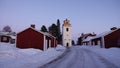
x: 66, y: 30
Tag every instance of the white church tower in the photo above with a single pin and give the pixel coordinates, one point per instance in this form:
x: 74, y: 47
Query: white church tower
x: 66, y: 30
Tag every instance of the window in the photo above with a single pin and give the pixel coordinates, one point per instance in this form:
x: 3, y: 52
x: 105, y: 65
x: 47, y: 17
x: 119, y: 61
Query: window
x: 4, y: 38
x: 67, y: 29
x: 118, y: 42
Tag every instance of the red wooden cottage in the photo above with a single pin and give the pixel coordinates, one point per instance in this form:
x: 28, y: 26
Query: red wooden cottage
x: 32, y: 38
x: 106, y: 39
x: 83, y: 39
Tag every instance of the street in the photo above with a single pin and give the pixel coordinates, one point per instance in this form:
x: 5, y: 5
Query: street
x: 77, y: 57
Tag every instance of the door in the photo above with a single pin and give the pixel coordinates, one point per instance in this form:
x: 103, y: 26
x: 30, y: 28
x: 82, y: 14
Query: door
x: 67, y: 44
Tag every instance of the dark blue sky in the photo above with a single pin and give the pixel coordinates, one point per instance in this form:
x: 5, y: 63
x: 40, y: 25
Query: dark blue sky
x: 85, y: 15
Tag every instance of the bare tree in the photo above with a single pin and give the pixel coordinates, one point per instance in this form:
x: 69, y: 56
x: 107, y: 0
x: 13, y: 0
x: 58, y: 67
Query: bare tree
x: 7, y: 29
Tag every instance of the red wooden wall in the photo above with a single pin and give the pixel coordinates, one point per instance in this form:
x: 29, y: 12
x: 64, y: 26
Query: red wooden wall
x: 30, y: 39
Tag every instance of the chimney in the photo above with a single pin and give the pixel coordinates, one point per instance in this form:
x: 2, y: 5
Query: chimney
x: 33, y: 25
x: 113, y: 28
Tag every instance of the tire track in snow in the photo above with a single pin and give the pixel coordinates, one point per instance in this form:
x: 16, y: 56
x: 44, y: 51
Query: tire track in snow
x: 77, y: 57
x: 99, y: 61
x: 68, y: 61
x: 55, y: 60
x: 73, y: 62
x: 80, y: 57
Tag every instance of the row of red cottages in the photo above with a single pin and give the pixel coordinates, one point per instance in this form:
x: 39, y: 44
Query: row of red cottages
x: 32, y: 38
x: 105, y: 40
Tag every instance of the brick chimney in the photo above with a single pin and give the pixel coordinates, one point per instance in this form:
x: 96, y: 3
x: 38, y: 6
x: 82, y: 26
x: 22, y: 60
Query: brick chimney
x: 113, y: 28
x: 33, y: 25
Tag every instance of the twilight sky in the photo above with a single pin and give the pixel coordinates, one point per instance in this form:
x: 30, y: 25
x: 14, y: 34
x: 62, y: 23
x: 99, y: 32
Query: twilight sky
x: 85, y: 15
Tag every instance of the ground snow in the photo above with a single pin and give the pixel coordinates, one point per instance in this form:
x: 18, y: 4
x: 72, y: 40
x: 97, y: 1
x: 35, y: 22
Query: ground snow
x: 111, y: 54
x: 30, y: 51
x: 12, y: 57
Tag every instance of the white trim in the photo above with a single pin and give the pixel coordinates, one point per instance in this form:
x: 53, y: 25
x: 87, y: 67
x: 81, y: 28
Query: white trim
x: 98, y: 42
x: 103, y: 42
x: 44, y: 43
x: 90, y: 43
x: 16, y: 41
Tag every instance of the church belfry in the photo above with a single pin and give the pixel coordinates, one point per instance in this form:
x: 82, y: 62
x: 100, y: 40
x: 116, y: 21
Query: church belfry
x: 66, y: 30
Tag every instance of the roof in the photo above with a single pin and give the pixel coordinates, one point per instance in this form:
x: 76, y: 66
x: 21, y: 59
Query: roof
x: 87, y: 39
x: 84, y: 36
x: 98, y: 36
x: 105, y: 33
x: 4, y: 33
x: 13, y: 37
x: 32, y: 29
x: 66, y: 23
x: 7, y: 34
x: 48, y: 34
x: 44, y: 33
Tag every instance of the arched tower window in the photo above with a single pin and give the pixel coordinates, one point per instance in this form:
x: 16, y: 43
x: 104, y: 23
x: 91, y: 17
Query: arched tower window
x: 67, y: 29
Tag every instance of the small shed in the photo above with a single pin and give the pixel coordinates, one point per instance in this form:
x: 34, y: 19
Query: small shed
x: 32, y: 38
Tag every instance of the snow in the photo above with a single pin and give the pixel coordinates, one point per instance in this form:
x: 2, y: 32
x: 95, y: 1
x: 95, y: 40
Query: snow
x: 88, y: 57
x: 12, y: 57
x: 60, y: 48
x: 30, y: 51
x: 111, y: 54
x: 73, y: 57
x: 105, y: 33
x: 87, y: 39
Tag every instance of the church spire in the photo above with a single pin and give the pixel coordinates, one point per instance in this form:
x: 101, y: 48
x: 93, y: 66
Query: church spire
x: 66, y: 22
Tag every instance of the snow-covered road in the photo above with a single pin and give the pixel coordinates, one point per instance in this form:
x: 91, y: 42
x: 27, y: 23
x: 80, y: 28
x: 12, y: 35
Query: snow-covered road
x: 78, y: 57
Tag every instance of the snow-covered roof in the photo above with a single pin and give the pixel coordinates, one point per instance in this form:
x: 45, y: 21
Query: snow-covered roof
x: 4, y: 33
x: 87, y: 39
x: 32, y: 29
x: 104, y: 34
x: 13, y: 37
x: 48, y: 34
x: 44, y: 33
x: 99, y: 35
x: 8, y: 34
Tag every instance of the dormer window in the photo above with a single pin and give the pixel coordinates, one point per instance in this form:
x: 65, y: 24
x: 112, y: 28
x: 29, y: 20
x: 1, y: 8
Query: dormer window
x: 67, y: 29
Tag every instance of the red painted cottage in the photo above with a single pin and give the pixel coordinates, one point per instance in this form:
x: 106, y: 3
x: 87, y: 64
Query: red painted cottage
x: 106, y: 39
x: 32, y: 38
x: 84, y: 37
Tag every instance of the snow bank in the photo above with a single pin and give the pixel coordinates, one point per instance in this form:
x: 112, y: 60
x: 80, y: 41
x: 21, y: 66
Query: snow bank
x: 12, y: 57
x: 60, y: 48
x: 30, y: 51
x: 111, y: 54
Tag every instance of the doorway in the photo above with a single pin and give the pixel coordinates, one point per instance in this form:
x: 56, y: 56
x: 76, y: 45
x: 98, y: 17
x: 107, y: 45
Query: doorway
x: 67, y: 44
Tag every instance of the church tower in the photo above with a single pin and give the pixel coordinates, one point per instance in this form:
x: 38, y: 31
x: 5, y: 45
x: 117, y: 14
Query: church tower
x: 66, y: 30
